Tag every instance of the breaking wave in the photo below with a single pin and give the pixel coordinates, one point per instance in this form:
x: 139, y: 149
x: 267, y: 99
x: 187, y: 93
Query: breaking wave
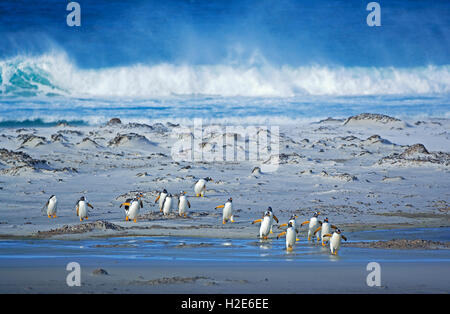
x: 54, y: 74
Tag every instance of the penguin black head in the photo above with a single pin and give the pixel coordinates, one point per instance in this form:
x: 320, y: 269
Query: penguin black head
x: 207, y: 179
x: 165, y: 191
x: 269, y: 209
x: 338, y: 231
x: 230, y: 200
x: 316, y: 214
x: 82, y: 198
x: 293, y: 217
x: 326, y: 219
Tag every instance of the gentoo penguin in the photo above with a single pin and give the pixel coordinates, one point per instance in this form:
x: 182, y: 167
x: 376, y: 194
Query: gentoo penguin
x: 292, y: 222
x: 264, y: 229
x: 161, y: 197
x: 200, y: 186
x: 291, y: 236
x: 182, y: 204
x: 272, y: 217
x: 314, y: 223
x: 335, y: 241
x: 325, y: 229
x: 167, y: 205
x: 227, y: 211
x: 50, y: 207
x: 81, y: 207
x: 132, y: 207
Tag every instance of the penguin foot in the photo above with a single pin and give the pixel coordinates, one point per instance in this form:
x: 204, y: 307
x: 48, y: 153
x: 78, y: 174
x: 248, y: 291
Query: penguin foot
x: 54, y: 216
x: 81, y: 219
x: 134, y: 220
x: 224, y: 222
x: 49, y: 216
x: 86, y: 218
x: 126, y: 218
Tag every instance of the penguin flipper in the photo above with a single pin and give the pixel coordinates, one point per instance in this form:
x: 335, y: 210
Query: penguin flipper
x: 281, y: 234
x: 344, y: 237
x: 255, y: 221
x: 90, y: 206
x: 158, y: 197
x: 276, y: 219
x: 317, y: 230
x: 189, y: 204
x: 304, y: 223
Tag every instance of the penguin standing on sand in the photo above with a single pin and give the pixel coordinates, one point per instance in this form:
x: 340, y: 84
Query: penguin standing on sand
x: 50, y: 207
x: 161, y: 197
x: 314, y: 223
x: 291, y: 236
x: 264, y: 229
x: 335, y: 241
x: 200, y: 186
x: 325, y: 229
x: 227, y: 211
x: 133, y: 207
x: 167, y: 205
x: 82, y: 208
x: 183, y: 203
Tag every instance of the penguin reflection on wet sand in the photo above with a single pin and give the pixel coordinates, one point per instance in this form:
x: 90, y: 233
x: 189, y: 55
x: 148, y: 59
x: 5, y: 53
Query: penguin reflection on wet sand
x: 132, y: 207
x: 50, y: 207
x: 82, y: 208
x: 227, y: 211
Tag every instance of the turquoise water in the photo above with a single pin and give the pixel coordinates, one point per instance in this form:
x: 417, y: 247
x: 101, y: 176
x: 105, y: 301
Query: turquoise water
x: 240, y: 61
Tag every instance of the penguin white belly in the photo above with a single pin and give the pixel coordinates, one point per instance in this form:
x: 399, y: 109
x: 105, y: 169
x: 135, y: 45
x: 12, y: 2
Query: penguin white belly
x: 227, y: 211
x: 51, y: 209
x: 133, y: 211
x: 161, y: 200
x: 167, y: 205
x: 326, y: 229
x: 183, y: 205
x: 290, y: 237
x: 335, y: 242
x: 199, y: 187
x: 265, y: 227
x: 82, y: 209
x: 313, y: 225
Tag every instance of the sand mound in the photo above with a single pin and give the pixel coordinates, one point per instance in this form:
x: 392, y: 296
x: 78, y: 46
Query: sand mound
x: 416, y: 155
x: 87, y: 143
x: 81, y: 228
x: 130, y: 140
x: 375, y: 120
x: 30, y: 140
x: 14, y: 163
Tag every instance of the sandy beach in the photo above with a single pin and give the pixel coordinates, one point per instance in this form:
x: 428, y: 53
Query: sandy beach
x: 365, y: 173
